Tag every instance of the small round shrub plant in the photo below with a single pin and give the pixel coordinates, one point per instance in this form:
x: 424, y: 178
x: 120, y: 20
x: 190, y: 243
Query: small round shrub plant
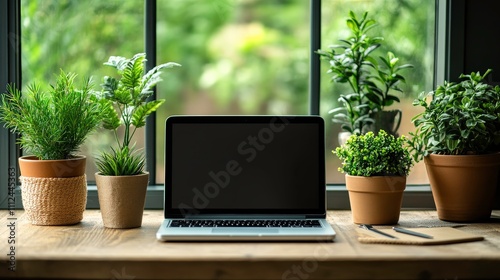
x: 375, y: 155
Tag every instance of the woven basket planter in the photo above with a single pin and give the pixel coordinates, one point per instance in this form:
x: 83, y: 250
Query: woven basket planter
x: 54, y: 192
x: 54, y: 201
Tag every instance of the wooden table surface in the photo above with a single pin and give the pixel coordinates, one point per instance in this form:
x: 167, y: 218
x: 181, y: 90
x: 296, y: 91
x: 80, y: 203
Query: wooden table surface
x: 90, y: 251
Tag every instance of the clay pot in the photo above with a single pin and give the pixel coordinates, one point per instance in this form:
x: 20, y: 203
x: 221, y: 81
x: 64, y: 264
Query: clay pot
x: 54, y: 192
x: 31, y: 166
x: 121, y: 199
x: 375, y: 200
x: 463, y: 186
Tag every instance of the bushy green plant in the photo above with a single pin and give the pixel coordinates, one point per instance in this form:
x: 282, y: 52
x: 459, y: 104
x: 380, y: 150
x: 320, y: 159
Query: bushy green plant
x: 370, y: 82
x: 375, y: 155
x: 52, y: 123
x: 458, y: 119
x: 125, y: 102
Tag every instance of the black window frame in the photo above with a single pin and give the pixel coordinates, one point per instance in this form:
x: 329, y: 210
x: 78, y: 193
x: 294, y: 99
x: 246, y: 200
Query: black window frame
x: 337, y: 197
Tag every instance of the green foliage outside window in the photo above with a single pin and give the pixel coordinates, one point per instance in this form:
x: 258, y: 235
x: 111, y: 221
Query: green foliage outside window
x: 238, y: 56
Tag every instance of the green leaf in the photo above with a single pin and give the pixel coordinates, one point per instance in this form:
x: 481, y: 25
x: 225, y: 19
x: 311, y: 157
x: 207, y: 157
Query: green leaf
x: 393, y: 98
x: 111, y: 120
x: 144, y: 110
x: 152, y: 78
x: 109, y: 87
x: 120, y: 162
x: 122, y: 96
x: 132, y: 72
x: 117, y: 62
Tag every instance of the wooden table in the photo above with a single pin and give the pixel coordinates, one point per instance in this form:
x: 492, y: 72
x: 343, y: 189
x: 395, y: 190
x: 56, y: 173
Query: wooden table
x: 90, y: 251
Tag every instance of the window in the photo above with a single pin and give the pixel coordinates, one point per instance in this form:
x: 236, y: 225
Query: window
x: 408, y: 30
x: 237, y: 56
x: 98, y: 29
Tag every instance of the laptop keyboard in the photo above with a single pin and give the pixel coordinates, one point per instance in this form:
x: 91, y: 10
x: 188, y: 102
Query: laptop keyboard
x: 246, y: 223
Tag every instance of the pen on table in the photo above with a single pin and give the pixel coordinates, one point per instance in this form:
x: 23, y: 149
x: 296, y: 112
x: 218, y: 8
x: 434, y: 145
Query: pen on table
x: 370, y: 228
x: 410, y: 232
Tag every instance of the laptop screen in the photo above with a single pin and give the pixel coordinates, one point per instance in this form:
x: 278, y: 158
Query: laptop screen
x: 244, y: 165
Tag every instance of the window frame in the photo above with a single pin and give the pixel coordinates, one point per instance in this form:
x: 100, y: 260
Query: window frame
x: 415, y: 196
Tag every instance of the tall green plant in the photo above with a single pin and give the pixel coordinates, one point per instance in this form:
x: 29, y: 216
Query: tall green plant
x: 370, y: 82
x: 53, y: 124
x: 458, y: 119
x: 125, y: 101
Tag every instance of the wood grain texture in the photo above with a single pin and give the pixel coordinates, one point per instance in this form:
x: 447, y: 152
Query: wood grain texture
x: 90, y: 251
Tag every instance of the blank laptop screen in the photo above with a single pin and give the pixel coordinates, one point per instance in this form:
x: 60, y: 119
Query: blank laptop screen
x: 244, y: 165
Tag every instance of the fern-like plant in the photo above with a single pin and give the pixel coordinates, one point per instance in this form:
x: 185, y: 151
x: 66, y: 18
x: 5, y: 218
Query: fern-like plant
x: 125, y: 103
x: 52, y: 123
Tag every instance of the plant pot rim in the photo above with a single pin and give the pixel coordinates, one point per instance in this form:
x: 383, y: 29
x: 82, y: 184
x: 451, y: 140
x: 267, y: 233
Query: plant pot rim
x: 355, y: 176
x: 492, y: 154
x: 375, y: 184
x: 32, y: 158
x: 32, y: 166
x: 483, y: 160
x: 122, y: 176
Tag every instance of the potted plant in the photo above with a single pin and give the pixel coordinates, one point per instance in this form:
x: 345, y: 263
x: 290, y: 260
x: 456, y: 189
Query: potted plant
x: 371, y: 82
x: 121, y: 179
x: 376, y: 168
x: 52, y: 124
x: 458, y: 136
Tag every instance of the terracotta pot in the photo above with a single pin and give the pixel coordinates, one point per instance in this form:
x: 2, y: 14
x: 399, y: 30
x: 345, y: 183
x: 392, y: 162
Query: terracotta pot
x: 121, y: 199
x: 54, y: 192
x: 463, y: 186
x: 375, y: 200
x: 31, y: 166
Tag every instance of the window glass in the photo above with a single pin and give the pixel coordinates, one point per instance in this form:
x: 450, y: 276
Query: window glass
x: 237, y: 56
x: 408, y: 30
x: 79, y: 36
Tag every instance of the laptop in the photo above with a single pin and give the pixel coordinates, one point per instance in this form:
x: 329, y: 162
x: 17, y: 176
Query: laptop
x: 236, y: 178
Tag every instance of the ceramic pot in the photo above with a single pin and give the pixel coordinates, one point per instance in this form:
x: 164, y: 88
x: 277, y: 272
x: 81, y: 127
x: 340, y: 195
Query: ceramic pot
x: 389, y: 121
x: 121, y: 199
x: 463, y: 186
x: 375, y: 200
x: 54, y: 192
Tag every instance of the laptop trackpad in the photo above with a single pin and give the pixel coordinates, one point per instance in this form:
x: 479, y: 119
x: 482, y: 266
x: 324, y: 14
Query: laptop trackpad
x: 245, y: 230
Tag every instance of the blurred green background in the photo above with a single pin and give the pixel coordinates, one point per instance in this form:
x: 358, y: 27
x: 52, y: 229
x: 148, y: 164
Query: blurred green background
x: 237, y: 56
